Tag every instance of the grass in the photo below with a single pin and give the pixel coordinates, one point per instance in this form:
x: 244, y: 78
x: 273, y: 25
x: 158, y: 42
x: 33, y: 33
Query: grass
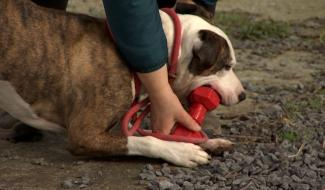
x: 294, y: 135
x: 289, y: 135
x: 244, y: 26
x: 322, y: 36
x: 295, y: 109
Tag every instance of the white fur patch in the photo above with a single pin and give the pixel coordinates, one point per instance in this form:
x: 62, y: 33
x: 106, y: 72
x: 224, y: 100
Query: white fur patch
x: 178, y: 153
x: 225, y: 82
x: 11, y: 102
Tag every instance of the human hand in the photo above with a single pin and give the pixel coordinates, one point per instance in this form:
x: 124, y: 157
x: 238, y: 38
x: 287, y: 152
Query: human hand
x: 166, y: 109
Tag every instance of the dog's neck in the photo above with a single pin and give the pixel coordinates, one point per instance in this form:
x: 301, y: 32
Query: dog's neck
x: 185, y: 54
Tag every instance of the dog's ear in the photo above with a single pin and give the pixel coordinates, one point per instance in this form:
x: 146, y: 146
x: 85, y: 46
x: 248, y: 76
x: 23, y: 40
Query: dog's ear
x: 211, y: 56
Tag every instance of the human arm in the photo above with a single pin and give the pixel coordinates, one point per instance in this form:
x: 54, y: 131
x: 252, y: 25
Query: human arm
x: 137, y: 29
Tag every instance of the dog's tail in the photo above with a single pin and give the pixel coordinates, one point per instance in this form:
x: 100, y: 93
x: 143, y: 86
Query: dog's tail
x: 12, y: 103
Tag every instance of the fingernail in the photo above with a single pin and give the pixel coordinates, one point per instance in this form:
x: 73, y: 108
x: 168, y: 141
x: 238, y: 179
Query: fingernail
x: 198, y: 127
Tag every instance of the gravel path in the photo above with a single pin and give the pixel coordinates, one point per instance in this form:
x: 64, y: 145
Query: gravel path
x: 279, y: 130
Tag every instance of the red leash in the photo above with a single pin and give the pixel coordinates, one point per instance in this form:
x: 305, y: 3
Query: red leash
x: 203, y: 99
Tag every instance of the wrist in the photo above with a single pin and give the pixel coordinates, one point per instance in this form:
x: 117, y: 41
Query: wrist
x: 156, y: 83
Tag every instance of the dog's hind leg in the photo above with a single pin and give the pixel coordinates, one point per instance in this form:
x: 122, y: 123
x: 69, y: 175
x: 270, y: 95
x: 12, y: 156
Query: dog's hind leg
x: 87, y: 136
x: 11, y: 102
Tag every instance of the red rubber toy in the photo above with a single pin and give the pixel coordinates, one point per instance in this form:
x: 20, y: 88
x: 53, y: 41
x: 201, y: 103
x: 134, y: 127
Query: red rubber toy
x: 202, y: 100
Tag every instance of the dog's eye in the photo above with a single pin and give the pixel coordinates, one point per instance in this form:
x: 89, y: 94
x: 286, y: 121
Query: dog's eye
x: 227, y: 67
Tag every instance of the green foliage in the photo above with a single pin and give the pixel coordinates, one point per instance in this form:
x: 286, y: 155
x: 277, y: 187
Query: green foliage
x: 264, y: 29
x: 288, y: 135
x: 322, y: 37
x: 294, y: 109
x: 294, y: 135
x: 244, y: 26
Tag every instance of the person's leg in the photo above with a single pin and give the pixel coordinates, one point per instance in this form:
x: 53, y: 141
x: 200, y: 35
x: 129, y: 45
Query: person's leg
x: 209, y: 5
x: 203, y: 8
x: 166, y: 3
x: 55, y: 4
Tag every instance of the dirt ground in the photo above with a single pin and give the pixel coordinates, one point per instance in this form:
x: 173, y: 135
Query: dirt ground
x: 265, y: 65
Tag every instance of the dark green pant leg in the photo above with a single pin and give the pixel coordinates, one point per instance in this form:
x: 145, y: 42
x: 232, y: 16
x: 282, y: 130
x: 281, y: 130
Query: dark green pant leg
x: 55, y: 4
x: 166, y: 3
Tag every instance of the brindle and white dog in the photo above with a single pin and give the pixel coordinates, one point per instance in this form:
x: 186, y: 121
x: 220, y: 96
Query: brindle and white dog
x: 61, y: 71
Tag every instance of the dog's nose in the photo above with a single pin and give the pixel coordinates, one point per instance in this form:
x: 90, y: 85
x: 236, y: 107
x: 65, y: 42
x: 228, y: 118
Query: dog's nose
x: 242, y: 96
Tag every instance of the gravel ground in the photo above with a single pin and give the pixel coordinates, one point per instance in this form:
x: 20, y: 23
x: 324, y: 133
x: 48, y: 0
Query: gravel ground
x: 279, y: 130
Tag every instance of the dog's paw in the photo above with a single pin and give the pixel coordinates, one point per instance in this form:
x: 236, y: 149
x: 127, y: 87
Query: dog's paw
x: 183, y: 154
x: 217, y: 146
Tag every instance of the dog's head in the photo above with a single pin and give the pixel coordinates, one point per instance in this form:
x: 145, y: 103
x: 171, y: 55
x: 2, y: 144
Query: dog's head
x: 207, y: 58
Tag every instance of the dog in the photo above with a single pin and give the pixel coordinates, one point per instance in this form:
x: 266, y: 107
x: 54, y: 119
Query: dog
x: 61, y: 72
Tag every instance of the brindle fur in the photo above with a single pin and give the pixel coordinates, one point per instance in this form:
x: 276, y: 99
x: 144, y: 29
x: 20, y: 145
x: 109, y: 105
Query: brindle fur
x: 59, y: 62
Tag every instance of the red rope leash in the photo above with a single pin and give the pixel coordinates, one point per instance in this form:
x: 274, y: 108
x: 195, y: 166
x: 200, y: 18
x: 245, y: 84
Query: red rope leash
x: 176, y: 44
x: 139, y: 110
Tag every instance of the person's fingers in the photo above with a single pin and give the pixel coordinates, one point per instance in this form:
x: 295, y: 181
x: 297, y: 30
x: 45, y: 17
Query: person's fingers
x: 164, y: 127
x: 187, y: 121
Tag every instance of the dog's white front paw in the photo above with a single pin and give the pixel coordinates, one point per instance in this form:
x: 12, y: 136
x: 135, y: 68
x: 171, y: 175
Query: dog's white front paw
x: 181, y: 154
x: 178, y: 153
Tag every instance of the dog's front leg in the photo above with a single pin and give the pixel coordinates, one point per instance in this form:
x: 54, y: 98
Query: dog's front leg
x: 178, y: 153
x: 88, y: 136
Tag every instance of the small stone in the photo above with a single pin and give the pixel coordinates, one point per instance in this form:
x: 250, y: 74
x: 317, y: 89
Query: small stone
x: 145, y: 176
x: 67, y: 184
x: 273, y: 157
x: 322, y: 84
x: 249, y: 159
x: 165, y: 184
x: 274, y: 179
x: 165, y: 171
x: 179, y: 171
x: 188, y: 185
x: 204, y: 179
x: 311, y: 174
x: 308, y: 159
x: 82, y: 186
x: 300, y: 86
x: 39, y: 161
x: 200, y: 187
x: 295, y: 178
x: 299, y: 186
x: 235, y: 167
x: 158, y: 173
x: 237, y: 181
x: 80, y: 162
x: 249, y: 86
x: 263, y: 188
x: 274, y: 111
x: 234, y: 130
x: 261, y: 180
x: 85, y: 180
x: 220, y: 177
x: 149, y: 167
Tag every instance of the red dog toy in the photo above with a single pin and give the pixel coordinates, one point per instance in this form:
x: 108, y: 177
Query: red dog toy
x: 202, y: 100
